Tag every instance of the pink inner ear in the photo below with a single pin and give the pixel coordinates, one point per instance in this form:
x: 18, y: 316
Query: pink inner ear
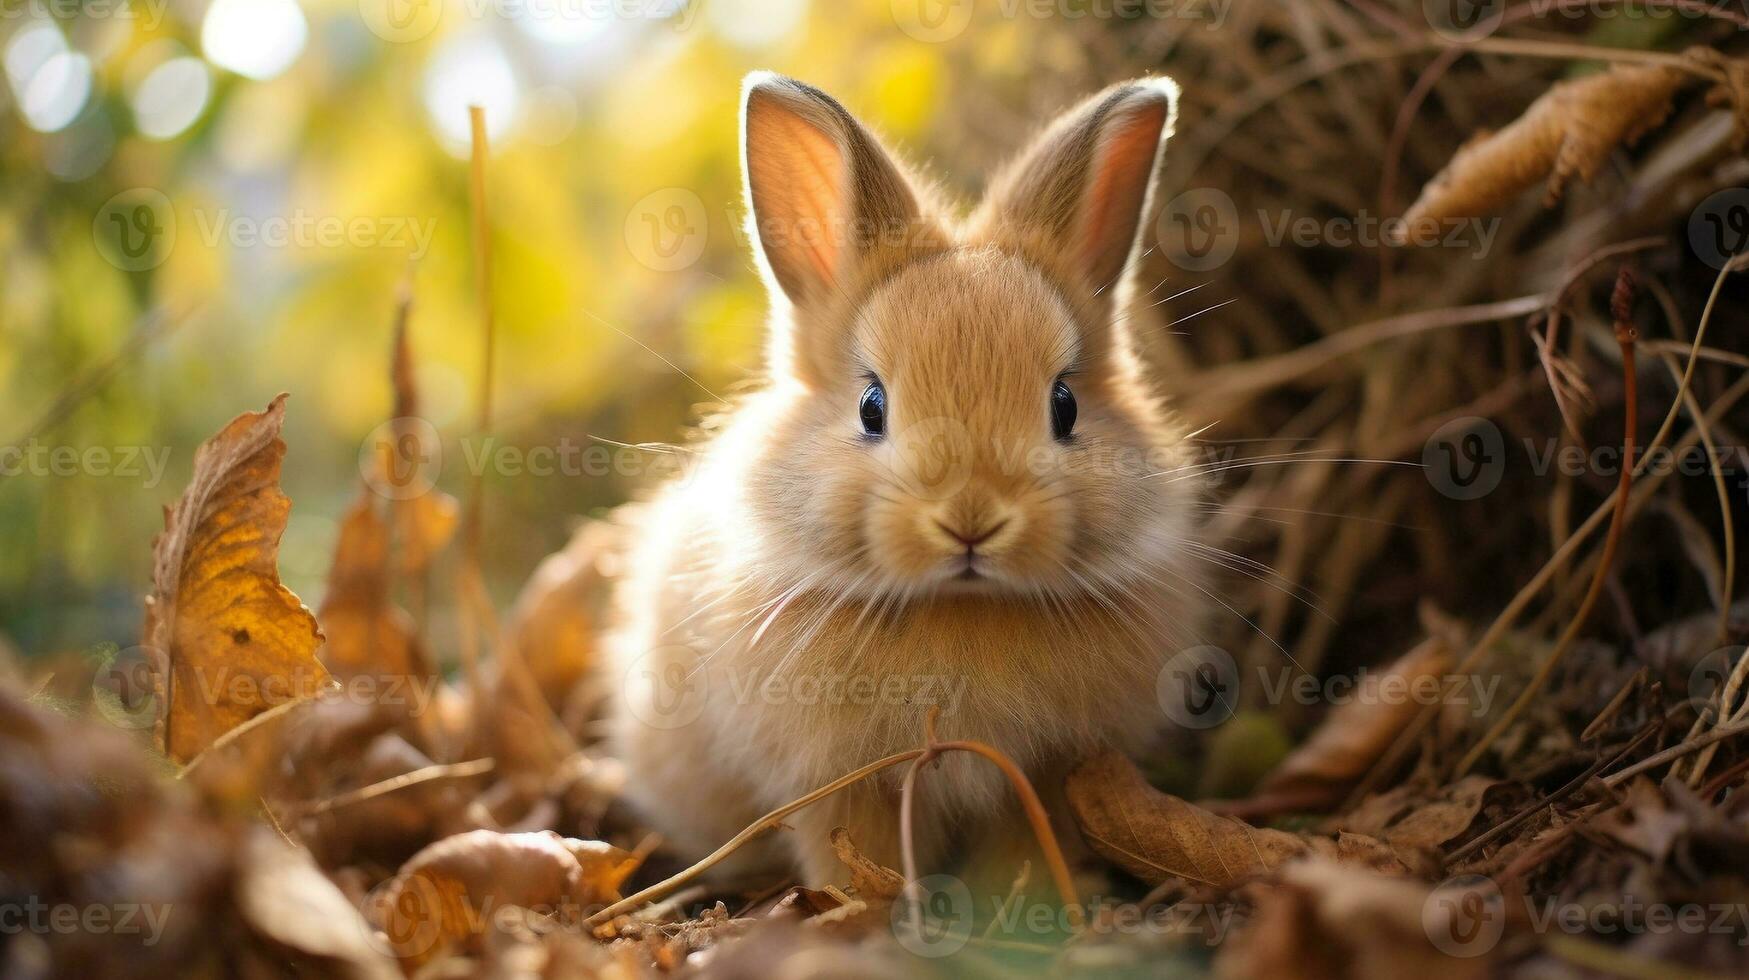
x: 1112, y: 203
x: 798, y: 179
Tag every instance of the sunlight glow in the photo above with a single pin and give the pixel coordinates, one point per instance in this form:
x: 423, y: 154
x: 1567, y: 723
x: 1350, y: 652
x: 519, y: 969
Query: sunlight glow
x: 257, y: 39
x: 470, y: 70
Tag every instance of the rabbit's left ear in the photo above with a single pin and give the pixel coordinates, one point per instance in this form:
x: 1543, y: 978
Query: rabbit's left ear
x: 1085, y: 183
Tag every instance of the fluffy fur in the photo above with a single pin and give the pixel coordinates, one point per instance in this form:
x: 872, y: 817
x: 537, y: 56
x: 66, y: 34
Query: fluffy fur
x: 802, y: 595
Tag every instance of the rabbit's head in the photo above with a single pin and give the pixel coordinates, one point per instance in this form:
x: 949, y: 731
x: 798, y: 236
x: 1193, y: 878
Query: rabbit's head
x: 955, y: 406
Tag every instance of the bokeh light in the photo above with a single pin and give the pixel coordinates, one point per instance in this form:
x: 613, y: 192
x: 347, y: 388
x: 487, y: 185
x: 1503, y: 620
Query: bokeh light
x: 470, y: 70
x: 171, y: 97
x: 257, y: 39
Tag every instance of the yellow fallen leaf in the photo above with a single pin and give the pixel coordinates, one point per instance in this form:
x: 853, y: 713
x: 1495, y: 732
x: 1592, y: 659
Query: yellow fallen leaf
x: 230, y: 640
x: 367, y: 633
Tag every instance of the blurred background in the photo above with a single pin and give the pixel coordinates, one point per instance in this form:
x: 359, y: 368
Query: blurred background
x: 206, y: 202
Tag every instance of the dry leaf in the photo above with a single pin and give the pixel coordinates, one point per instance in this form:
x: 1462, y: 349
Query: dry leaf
x: 1356, y: 733
x: 1328, y: 921
x: 232, y: 641
x: 1570, y: 131
x: 449, y: 891
x: 873, y: 883
x: 554, y: 624
x: 285, y: 897
x: 368, y: 635
x: 1156, y: 836
x: 424, y: 523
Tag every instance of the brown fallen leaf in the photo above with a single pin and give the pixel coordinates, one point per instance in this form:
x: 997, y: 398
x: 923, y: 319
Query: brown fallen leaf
x: 1322, y: 920
x: 426, y: 522
x: 231, y: 641
x: 449, y: 892
x: 1353, y: 736
x: 1570, y: 131
x: 285, y: 897
x: 368, y: 635
x: 557, y: 617
x: 1410, y: 816
x: 873, y: 883
x: 1156, y: 836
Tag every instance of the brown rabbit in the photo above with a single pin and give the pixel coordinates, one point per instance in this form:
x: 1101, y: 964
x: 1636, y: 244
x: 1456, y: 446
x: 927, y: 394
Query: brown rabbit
x: 955, y: 490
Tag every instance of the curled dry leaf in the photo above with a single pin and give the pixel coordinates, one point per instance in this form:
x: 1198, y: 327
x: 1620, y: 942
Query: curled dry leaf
x: 1570, y: 131
x: 873, y: 883
x: 448, y: 892
x: 231, y: 640
x: 1156, y: 836
x: 1354, y: 735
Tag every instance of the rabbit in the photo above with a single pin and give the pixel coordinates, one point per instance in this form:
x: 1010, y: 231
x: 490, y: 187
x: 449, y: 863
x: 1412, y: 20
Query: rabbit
x: 953, y: 492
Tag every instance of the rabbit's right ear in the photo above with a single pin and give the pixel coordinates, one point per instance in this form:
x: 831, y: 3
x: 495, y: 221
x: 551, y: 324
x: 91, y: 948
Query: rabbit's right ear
x: 821, y: 192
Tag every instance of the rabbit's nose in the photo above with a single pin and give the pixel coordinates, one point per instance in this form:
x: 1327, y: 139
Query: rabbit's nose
x: 971, y: 539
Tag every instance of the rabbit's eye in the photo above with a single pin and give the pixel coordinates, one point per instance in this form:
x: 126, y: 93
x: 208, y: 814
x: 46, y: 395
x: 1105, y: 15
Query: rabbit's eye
x: 874, y: 409
x: 1062, y: 410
